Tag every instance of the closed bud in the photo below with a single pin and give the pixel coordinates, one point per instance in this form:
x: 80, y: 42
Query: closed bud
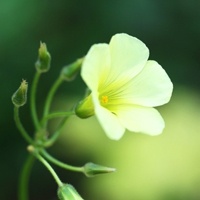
x: 68, y: 192
x: 19, y: 98
x: 91, y: 169
x: 85, y: 108
x: 44, y: 59
x: 69, y: 72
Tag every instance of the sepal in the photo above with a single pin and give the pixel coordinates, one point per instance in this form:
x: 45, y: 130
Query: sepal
x: 68, y: 192
x: 91, y: 169
x: 44, y: 59
x: 69, y: 72
x: 19, y: 98
x: 85, y: 108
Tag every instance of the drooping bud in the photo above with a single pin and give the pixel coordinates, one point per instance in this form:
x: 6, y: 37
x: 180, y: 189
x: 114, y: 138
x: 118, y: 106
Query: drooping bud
x: 69, y: 72
x: 91, y: 169
x: 19, y: 98
x: 44, y: 59
x: 85, y: 108
x: 68, y: 192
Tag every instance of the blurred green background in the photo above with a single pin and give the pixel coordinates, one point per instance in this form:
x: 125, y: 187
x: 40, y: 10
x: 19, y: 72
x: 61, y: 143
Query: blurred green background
x: 166, y: 167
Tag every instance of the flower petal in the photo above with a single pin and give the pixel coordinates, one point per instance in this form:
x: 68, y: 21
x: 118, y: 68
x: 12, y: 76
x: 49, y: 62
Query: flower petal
x: 128, y: 56
x: 151, y: 87
x: 141, y: 119
x: 109, y: 122
x: 96, y: 65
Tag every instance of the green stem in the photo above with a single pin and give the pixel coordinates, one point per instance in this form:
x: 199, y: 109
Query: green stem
x: 50, y: 97
x: 33, y: 101
x: 56, y: 134
x: 48, y: 166
x: 20, y: 127
x: 24, y: 178
x: 56, y: 114
x: 60, y: 164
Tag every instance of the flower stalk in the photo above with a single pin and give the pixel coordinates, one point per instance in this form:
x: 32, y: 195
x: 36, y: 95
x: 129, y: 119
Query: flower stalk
x: 60, y: 164
x: 20, y: 126
x: 24, y: 178
x: 33, y: 101
x: 50, y: 95
x: 32, y: 149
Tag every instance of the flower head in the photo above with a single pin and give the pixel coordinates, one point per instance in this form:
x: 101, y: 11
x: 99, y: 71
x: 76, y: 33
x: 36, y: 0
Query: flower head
x: 125, y: 86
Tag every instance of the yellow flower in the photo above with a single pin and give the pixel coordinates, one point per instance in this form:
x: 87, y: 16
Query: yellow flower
x: 125, y: 86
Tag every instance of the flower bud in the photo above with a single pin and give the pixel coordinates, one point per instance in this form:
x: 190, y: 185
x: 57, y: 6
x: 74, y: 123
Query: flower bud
x: 69, y: 72
x: 44, y: 59
x: 19, y: 98
x: 91, y: 169
x: 68, y: 192
x: 85, y: 108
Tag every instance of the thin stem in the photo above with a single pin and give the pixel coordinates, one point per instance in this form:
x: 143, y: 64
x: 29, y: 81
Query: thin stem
x: 50, y: 97
x: 56, y: 114
x: 33, y: 101
x: 48, y: 166
x: 60, y: 164
x: 20, y: 127
x: 24, y: 178
x: 56, y: 134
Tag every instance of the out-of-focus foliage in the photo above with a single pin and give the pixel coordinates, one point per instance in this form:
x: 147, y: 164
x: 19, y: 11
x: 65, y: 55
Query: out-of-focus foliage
x: 165, y: 167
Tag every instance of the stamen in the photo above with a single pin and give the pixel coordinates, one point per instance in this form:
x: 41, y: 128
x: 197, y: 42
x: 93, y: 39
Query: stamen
x: 104, y: 99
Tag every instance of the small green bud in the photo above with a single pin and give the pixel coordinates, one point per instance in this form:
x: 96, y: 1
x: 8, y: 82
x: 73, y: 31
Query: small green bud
x: 85, y: 108
x: 19, y: 98
x: 91, y: 169
x: 68, y: 192
x: 69, y: 72
x: 44, y: 59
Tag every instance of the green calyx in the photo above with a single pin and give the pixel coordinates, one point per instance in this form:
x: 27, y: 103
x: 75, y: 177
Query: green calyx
x: 69, y: 72
x: 44, y: 59
x: 91, y: 169
x: 19, y: 98
x: 85, y: 108
x: 68, y: 192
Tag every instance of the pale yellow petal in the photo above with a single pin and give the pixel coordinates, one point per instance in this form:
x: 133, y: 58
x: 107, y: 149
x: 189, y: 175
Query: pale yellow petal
x: 141, y: 119
x: 96, y: 66
x: 109, y: 121
x: 151, y: 87
x: 128, y: 57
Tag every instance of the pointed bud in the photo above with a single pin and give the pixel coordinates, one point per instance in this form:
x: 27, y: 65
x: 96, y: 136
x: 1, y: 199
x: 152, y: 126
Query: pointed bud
x: 91, y: 169
x: 44, y: 59
x: 68, y: 192
x: 69, y: 72
x: 85, y: 108
x: 19, y: 98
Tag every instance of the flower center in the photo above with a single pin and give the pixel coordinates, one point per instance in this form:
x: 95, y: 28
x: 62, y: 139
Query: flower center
x: 104, y: 99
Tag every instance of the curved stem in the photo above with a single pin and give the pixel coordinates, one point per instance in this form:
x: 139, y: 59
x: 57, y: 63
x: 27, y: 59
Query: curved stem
x: 33, y: 101
x: 24, y: 178
x: 50, y: 97
x: 56, y: 134
x: 20, y: 127
x: 56, y: 114
x: 60, y: 164
x: 48, y: 166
